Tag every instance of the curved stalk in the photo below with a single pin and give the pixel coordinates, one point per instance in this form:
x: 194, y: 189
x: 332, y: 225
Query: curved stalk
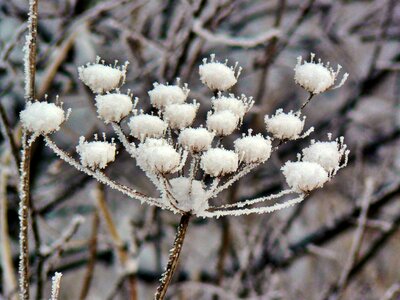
x: 173, y: 258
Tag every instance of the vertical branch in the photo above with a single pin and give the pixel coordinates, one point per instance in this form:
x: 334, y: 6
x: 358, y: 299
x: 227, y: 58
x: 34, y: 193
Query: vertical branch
x: 173, y: 258
x: 9, y: 280
x: 92, y: 257
x: 30, y: 68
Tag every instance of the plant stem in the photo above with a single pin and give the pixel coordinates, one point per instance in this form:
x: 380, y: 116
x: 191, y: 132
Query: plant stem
x: 173, y: 257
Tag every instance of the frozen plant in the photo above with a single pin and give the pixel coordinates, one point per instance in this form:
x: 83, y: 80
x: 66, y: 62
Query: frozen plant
x: 178, y: 158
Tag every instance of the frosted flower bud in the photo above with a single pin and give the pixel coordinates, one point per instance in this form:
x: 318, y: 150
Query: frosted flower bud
x: 157, y: 156
x: 101, y: 78
x: 196, y: 139
x: 222, y: 123
x: 325, y: 154
x: 219, y: 162
x: 304, y: 176
x: 180, y: 116
x: 95, y: 154
x: 237, y: 106
x: 113, y: 107
x: 189, y: 194
x: 284, y: 125
x: 218, y: 76
x: 144, y: 126
x: 162, y: 95
x: 253, y: 149
x: 42, y: 117
x: 315, y: 77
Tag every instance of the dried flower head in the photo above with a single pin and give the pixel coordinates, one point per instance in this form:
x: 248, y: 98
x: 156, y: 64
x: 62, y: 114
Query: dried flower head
x: 162, y: 95
x: 42, y: 117
x: 315, y: 77
x: 218, y: 76
x: 285, y: 126
x: 101, y: 78
x: 180, y: 116
x: 97, y: 154
x: 113, y: 107
x: 143, y: 126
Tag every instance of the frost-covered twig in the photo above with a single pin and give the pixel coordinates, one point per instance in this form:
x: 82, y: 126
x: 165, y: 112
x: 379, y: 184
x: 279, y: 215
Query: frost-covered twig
x: 234, y: 41
x: 101, y: 177
x: 55, y: 286
x: 173, y: 258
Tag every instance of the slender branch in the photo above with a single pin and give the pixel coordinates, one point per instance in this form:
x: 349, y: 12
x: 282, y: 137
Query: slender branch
x: 30, y: 69
x: 92, y: 257
x: 8, y: 135
x: 173, y: 258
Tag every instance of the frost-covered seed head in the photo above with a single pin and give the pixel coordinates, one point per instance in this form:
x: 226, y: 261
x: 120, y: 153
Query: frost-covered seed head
x: 315, y: 77
x: 189, y: 194
x: 219, y: 162
x: 42, y: 117
x: 101, y: 78
x: 303, y: 176
x: 113, y: 107
x: 157, y: 156
x: 253, y: 149
x: 238, y: 106
x: 144, y: 126
x: 326, y: 154
x: 162, y: 95
x: 222, y: 122
x: 284, y: 125
x: 217, y: 76
x: 196, y: 139
x: 95, y: 154
x: 180, y: 116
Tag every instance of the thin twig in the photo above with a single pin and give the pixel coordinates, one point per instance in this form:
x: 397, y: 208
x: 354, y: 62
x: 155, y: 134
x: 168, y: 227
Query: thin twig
x: 173, y: 258
x: 92, y: 257
x: 8, y: 135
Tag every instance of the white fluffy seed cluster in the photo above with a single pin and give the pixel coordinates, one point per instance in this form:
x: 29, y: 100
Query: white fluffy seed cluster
x: 147, y: 126
x: 222, y: 123
x: 180, y: 116
x: 284, y: 126
x: 196, y: 139
x: 238, y: 106
x: 315, y: 77
x: 42, y: 117
x: 253, y: 149
x: 304, y: 176
x: 219, y: 162
x: 113, y: 107
x: 189, y: 194
x: 162, y: 95
x: 217, y: 76
x: 101, y: 78
x: 95, y: 154
x: 157, y: 156
x: 326, y: 154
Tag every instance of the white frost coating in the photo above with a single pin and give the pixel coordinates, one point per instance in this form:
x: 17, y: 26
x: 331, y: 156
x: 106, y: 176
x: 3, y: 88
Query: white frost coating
x: 315, y: 77
x: 113, y: 107
x: 55, y: 286
x: 180, y: 116
x: 218, y: 76
x: 196, y: 139
x: 101, y: 78
x: 253, y: 149
x: 326, y: 154
x: 95, y: 154
x: 222, y: 123
x: 303, y: 176
x: 144, y: 126
x: 157, y: 156
x: 237, y: 106
x: 285, y: 125
x: 42, y: 117
x: 162, y: 95
x: 218, y: 162
x: 189, y: 194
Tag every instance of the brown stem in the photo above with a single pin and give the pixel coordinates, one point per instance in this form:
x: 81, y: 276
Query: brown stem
x: 173, y: 257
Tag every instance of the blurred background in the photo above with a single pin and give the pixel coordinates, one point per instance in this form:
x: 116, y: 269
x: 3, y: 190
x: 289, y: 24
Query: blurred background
x: 342, y: 242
